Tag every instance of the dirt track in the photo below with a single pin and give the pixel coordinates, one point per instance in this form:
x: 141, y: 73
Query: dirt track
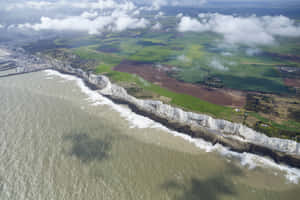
x: 158, y: 75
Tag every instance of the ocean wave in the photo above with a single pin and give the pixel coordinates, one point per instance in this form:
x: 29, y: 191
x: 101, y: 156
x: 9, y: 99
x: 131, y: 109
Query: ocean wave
x: 248, y: 160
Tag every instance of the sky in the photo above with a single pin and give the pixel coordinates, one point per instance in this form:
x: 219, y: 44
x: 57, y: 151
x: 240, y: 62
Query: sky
x: 36, y: 18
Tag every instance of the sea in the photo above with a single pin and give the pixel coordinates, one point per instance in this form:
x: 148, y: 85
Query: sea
x: 59, y: 140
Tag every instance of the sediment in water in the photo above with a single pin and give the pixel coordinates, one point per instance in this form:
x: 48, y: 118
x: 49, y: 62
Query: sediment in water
x: 230, y: 134
x: 237, y: 137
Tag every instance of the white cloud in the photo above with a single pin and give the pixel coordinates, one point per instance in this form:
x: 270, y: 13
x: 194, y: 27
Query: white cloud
x: 126, y: 22
x: 136, y: 12
x: 29, y: 4
x: 1, y: 26
x: 232, y: 63
x: 157, y: 26
x: 226, y: 53
x: 108, y: 15
x: 196, y: 3
x: 218, y: 65
x: 281, y: 25
x: 89, y: 15
x: 89, y: 22
x: 179, y: 15
x: 159, y: 14
x: 190, y: 24
x: 11, y: 27
x: 156, y: 4
x: 46, y: 5
x: 251, y: 30
x: 183, y: 58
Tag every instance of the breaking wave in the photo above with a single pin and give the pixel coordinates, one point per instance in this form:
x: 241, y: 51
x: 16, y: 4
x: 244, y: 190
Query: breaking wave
x: 248, y: 160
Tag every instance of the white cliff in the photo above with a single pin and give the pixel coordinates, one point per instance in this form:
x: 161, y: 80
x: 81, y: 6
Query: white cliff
x: 224, y: 127
x: 215, y: 127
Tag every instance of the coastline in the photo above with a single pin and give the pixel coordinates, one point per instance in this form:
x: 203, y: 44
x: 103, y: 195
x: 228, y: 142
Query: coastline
x: 236, y: 137
x: 231, y: 135
x: 246, y: 160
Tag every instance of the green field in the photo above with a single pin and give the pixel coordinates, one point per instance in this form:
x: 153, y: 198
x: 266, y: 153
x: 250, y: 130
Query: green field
x: 199, y: 58
x: 186, y: 102
x: 192, y: 55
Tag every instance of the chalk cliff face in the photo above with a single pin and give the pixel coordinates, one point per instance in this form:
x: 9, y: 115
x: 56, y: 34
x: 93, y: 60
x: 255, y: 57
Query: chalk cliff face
x: 235, y: 136
x: 217, y: 126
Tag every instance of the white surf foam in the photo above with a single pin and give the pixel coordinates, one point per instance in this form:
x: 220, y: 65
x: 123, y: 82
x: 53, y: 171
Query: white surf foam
x: 137, y: 121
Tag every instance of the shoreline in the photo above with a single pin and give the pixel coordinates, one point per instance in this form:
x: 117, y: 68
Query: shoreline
x: 235, y: 143
x: 247, y: 160
x: 236, y: 137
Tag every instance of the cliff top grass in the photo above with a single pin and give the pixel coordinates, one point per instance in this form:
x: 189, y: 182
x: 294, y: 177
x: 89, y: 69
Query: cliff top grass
x: 183, y: 101
x: 288, y: 129
x: 197, y: 58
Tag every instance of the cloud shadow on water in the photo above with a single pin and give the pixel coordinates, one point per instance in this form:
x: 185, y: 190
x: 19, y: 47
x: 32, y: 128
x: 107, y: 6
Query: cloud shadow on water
x: 211, y: 188
x: 88, y: 149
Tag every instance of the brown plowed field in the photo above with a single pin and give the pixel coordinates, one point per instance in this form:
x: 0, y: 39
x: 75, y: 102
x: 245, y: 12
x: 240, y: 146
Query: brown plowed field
x: 158, y: 75
x: 292, y: 82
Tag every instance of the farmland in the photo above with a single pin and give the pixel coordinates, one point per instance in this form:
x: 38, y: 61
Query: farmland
x: 203, y: 67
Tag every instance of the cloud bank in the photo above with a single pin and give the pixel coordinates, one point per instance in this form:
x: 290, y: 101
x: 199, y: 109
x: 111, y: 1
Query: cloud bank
x: 96, y: 16
x: 47, y: 5
x: 157, y: 26
x: 250, y: 30
x: 91, y: 23
x: 98, y: 4
x: 217, y: 65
